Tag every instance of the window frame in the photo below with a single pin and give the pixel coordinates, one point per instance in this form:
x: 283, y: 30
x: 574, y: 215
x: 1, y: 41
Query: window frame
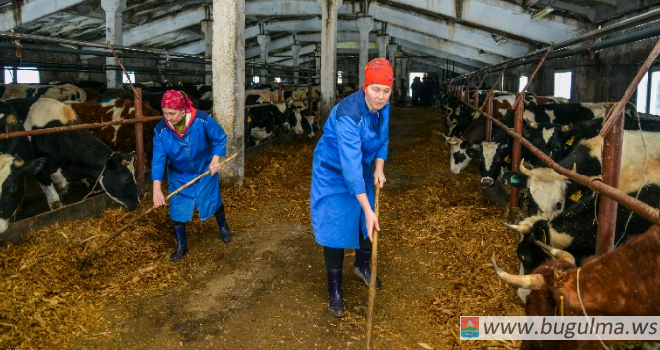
x: 554, y: 87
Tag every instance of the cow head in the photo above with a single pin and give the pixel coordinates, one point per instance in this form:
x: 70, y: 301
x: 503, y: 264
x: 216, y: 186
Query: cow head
x: 458, y: 158
x: 308, y: 123
x: 548, y: 193
x: 118, y: 180
x: 493, y: 157
x: 12, y: 184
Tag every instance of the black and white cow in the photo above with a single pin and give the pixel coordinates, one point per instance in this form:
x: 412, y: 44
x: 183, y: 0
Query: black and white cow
x: 66, y: 92
x: 575, y: 229
x: 262, y: 121
x: 550, y: 193
x: 77, y: 155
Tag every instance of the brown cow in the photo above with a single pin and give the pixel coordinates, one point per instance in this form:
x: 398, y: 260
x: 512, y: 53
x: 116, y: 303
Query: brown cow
x: 623, y: 282
x: 120, y: 138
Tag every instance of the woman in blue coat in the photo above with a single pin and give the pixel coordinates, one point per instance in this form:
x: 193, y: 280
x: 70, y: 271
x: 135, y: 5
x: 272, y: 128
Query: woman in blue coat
x: 348, y: 164
x: 187, y: 143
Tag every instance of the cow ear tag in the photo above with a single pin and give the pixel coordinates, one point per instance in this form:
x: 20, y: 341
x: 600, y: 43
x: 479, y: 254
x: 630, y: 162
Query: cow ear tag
x: 514, y: 180
x: 575, y: 197
x: 249, y: 119
x: 570, y: 141
x: 507, y: 159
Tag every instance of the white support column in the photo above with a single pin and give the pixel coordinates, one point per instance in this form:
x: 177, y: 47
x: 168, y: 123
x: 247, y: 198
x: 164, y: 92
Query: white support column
x: 263, y: 40
x: 207, y: 28
x: 113, y: 34
x: 364, y: 25
x: 319, y: 66
x: 383, y: 40
x: 391, y: 56
x: 229, y: 82
x: 329, y: 56
x: 295, y: 49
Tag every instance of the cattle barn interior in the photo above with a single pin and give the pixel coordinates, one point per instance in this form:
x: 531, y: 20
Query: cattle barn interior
x: 270, y: 72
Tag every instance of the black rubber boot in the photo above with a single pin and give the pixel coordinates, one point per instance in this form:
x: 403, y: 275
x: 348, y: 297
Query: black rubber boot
x: 181, y: 247
x: 225, y: 234
x: 361, y: 267
x: 335, y: 295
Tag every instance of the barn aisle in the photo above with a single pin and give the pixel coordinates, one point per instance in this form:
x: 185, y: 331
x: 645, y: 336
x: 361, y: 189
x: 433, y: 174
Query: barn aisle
x: 266, y: 289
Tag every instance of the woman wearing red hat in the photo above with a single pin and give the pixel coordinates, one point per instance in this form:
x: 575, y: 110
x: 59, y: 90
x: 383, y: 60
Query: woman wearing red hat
x: 348, y: 164
x: 187, y: 143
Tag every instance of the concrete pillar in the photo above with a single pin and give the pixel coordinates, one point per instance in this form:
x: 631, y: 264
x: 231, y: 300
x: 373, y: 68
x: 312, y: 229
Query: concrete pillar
x: 328, y: 56
x: 114, y: 34
x: 317, y: 64
x: 392, y: 50
x: 207, y: 28
x: 295, y: 49
x: 364, y: 25
x: 229, y: 82
x: 383, y: 40
x: 263, y: 40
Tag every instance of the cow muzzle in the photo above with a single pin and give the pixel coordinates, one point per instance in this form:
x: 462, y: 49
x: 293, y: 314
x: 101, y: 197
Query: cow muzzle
x: 3, y: 225
x: 487, y: 182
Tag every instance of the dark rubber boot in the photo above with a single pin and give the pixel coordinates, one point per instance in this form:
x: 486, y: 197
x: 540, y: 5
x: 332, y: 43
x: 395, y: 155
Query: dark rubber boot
x: 181, y: 247
x: 335, y: 295
x: 225, y: 234
x: 361, y: 267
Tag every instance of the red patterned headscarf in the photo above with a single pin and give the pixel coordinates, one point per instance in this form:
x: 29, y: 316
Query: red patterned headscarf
x: 176, y: 100
x: 378, y: 71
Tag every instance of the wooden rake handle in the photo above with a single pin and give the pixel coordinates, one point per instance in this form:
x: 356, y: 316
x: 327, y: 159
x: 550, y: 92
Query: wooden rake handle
x: 133, y: 220
x: 372, y: 282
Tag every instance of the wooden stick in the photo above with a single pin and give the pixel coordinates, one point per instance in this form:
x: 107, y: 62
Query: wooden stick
x: 372, y: 282
x: 118, y: 232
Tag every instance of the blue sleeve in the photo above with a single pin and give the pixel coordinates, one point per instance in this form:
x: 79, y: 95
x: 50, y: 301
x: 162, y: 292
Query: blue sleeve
x: 217, y: 135
x: 350, y: 154
x: 159, y: 159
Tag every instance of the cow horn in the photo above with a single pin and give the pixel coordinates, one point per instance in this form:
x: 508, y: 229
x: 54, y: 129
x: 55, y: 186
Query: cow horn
x: 523, y: 169
x: 558, y: 254
x: 18, y: 162
x: 574, y: 168
x: 524, y: 229
x: 534, y: 281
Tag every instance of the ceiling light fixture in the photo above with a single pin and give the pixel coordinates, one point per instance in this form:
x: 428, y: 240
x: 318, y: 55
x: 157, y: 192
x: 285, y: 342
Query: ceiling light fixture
x: 542, y: 13
x: 499, y: 39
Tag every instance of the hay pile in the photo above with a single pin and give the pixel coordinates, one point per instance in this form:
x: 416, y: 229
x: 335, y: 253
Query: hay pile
x: 45, y: 300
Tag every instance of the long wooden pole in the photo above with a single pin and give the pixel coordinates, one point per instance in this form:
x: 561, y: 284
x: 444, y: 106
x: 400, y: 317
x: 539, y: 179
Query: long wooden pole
x: 118, y: 232
x: 372, y: 282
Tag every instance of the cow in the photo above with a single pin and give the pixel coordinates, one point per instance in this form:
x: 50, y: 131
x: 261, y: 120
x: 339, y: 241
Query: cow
x: 550, y: 193
x: 623, y: 282
x: 77, y: 155
x: 266, y: 118
x: 66, y: 92
x: 16, y: 161
x: 120, y: 138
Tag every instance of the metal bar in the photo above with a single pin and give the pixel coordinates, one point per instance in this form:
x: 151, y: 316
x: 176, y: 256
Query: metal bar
x: 476, y: 92
x: 76, y: 127
x: 490, y: 92
x: 631, y: 89
x: 611, y: 172
x: 139, y: 138
x: 529, y: 81
x: 123, y: 69
x: 516, y: 149
x: 489, y: 122
x: 650, y: 213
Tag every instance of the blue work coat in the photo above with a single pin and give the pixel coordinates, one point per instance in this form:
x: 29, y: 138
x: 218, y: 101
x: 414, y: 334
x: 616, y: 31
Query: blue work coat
x: 185, y: 156
x: 343, y: 167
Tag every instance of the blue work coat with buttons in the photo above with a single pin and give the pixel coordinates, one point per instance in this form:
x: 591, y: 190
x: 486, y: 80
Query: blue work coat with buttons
x: 185, y: 156
x: 343, y: 167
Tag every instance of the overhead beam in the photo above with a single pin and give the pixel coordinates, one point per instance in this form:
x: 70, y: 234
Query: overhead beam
x: 304, y: 50
x: 285, y: 42
x: 31, y: 10
x: 309, y: 25
x: 503, y: 16
x: 455, y: 32
x: 164, y: 25
x: 193, y: 48
x: 439, y: 54
x: 451, y: 65
x: 299, y: 7
x: 449, y: 47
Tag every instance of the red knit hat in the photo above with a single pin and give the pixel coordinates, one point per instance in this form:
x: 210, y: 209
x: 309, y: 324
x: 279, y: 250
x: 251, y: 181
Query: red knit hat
x: 378, y: 71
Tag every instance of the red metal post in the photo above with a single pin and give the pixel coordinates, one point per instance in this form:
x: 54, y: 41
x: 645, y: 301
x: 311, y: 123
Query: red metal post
x: 517, y: 148
x: 279, y: 94
x: 139, y: 139
x: 607, y: 212
x: 489, y: 122
x: 309, y: 98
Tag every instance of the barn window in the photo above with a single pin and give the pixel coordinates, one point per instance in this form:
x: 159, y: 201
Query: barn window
x: 124, y: 79
x: 340, y: 77
x: 255, y: 79
x: 278, y: 80
x: 24, y: 75
x: 563, y: 84
x: 643, y: 94
x: 654, y: 96
x: 522, y: 82
x: 502, y: 82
